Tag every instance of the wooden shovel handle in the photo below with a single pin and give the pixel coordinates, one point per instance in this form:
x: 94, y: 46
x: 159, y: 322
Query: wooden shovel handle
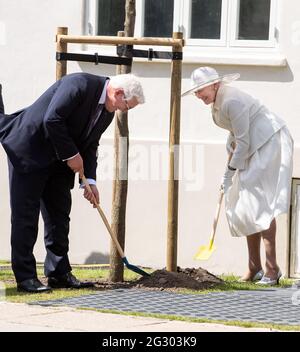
x: 106, y: 223
x: 213, y: 233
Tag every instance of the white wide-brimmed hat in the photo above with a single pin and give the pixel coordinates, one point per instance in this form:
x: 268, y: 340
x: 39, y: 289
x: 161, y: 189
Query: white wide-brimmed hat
x: 205, y: 76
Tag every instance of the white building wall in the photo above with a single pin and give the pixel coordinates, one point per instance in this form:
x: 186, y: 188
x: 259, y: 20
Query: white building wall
x: 27, y: 61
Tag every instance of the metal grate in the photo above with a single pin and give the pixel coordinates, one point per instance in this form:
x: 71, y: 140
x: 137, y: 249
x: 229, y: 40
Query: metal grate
x: 274, y: 305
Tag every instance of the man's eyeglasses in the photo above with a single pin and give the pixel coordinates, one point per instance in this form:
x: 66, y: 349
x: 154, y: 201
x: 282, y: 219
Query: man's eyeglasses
x: 127, y: 105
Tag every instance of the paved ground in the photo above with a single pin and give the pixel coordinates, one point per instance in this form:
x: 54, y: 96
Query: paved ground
x: 271, y: 305
x: 22, y: 317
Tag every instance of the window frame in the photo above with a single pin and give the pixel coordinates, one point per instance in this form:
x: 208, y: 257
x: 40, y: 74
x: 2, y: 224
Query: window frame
x: 233, y: 42
x: 226, y: 46
x: 187, y: 23
x: 92, y: 15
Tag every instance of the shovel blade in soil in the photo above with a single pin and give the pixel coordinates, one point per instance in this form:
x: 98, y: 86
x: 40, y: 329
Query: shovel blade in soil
x: 205, y: 252
x: 134, y: 268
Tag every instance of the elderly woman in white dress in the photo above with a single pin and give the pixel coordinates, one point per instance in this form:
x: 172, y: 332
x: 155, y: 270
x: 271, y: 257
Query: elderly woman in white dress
x: 257, y: 179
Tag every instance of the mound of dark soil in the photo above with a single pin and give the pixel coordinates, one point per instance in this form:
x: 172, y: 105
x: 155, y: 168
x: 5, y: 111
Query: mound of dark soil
x: 189, y: 278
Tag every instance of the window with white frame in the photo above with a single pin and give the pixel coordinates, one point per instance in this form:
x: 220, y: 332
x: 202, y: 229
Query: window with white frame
x: 220, y: 23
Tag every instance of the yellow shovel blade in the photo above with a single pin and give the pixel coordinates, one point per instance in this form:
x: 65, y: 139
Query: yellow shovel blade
x: 205, y: 252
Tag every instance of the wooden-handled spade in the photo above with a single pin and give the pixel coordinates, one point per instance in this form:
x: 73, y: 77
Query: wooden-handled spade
x: 205, y: 251
x: 112, y: 235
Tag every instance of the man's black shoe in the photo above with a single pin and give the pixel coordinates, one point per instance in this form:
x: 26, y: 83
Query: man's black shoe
x: 32, y: 286
x: 67, y: 280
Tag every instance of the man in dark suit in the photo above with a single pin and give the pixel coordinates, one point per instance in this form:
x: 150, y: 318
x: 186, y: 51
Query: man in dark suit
x: 46, y: 144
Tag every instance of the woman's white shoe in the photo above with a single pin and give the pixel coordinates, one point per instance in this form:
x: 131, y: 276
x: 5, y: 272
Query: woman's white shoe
x: 258, y: 276
x: 266, y: 281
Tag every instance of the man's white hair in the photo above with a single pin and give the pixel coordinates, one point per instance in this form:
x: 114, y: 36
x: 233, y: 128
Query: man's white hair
x: 131, y: 85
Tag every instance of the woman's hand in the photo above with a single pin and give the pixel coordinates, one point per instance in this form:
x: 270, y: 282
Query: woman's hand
x: 226, y: 182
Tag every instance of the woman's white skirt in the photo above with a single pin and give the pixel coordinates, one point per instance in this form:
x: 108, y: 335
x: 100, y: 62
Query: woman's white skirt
x: 261, y: 191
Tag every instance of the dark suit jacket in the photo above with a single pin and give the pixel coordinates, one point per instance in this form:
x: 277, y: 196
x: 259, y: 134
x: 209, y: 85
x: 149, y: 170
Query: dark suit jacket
x: 55, y: 126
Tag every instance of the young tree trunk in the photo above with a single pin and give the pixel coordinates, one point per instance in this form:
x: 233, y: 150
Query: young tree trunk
x: 120, y: 184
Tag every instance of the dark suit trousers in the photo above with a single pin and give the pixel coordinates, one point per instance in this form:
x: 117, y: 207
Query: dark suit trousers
x: 49, y: 191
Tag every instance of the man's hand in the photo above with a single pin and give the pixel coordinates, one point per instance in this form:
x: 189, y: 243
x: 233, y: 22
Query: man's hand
x: 92, y: 197
x: 76, y: 164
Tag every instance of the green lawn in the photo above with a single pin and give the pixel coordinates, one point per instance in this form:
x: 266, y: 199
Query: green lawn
x: 4, y: 262
x: 12, y: 295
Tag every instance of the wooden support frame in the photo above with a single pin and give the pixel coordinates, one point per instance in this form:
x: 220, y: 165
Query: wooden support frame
x: 108, y: 40
x: 61, y: 66
x: 177, y: 44
x: 174, y: 142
